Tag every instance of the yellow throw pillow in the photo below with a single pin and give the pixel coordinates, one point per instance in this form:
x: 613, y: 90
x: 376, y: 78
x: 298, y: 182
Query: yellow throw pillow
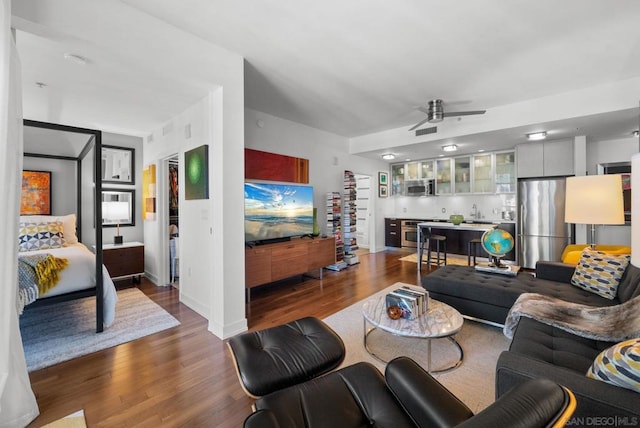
x: 619, y: 365
x: 599, y: 272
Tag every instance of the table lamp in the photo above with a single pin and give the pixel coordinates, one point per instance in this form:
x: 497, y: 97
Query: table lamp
x: 115, y: 212
x: 594, y: 199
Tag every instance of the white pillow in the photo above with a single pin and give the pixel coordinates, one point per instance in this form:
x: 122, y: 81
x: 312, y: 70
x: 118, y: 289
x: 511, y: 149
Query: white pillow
x: 68, y: 224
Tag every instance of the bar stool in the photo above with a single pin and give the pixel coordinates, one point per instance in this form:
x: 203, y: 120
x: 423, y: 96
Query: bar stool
x: 473, y: 247
x: 428, y: 237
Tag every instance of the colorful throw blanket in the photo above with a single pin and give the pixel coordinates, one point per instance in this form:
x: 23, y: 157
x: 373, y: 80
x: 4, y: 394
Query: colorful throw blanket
x: 610, y: 323
x: 37, y: 274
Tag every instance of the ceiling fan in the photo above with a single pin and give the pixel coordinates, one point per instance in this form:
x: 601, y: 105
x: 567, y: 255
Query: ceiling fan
x: 435, y: 113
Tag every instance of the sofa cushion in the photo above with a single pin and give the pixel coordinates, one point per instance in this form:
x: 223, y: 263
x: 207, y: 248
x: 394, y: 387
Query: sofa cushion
x: 555, y: 346
x: 629, y: 286
x: 619, y: 365
x: 501, y: 290
x: 599, y: 272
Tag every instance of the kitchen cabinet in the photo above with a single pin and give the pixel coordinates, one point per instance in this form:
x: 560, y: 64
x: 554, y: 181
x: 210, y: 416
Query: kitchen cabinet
x: 462, y: 174
x: 443, y: 177
x: 505, y: 176
x: 483, y: 173
x: 397, y: 179
x: 427, y: 170
x: 545, y: 159
x: 392, y: 236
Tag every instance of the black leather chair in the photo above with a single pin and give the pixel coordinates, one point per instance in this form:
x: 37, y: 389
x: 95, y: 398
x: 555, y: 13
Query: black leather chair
x: 407, y: 396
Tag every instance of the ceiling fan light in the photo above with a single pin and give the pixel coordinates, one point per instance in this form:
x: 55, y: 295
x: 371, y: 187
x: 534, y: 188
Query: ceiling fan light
x: 388, y: 156
x: 450, y: 148
x: 534, y: 136
x: 636, y: 133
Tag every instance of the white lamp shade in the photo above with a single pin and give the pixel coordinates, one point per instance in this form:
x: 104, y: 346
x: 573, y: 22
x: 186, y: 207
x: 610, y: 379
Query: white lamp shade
x: 635, y: 210
x: 115, y: 211
x: 594, y: 199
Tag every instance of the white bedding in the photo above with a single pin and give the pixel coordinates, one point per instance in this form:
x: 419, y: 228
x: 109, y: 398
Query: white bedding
x: 80, y: 274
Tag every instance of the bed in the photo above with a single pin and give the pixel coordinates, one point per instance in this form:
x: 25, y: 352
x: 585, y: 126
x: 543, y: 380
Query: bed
x: 55, y: 235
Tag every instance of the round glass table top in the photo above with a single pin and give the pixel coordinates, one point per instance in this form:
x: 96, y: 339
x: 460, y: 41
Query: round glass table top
x: 440, y: 320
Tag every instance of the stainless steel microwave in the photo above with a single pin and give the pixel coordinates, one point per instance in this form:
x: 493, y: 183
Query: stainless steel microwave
x: 420, y: 187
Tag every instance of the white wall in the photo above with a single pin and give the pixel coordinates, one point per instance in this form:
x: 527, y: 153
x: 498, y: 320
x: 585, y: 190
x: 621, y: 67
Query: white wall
x: 328, y: 159
x: 211, y: 237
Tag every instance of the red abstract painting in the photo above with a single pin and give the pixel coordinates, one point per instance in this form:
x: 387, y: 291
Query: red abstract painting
x: 36, y: 193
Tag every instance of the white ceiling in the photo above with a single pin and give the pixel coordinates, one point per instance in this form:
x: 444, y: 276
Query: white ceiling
x: 349, y: 67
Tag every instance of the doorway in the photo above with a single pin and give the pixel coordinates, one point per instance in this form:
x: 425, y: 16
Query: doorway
x: 173, y: 201
x: 363, y: 211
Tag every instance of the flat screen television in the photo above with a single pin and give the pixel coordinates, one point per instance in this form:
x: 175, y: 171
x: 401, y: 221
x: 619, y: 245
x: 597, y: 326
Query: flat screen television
x: 276, y: 212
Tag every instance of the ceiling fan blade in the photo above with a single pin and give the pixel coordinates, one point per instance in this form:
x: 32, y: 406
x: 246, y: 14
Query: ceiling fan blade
x: 422, y: 122
x: 464, y: 113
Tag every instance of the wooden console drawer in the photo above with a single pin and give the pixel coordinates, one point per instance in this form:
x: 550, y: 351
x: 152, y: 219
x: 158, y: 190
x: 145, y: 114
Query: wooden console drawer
x: 257, y: 266
x: 322, y: 252
x: 123, y: 260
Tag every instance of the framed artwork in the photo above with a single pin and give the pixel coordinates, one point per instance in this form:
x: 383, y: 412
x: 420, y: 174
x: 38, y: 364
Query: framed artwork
x: 382, y: 191
x: 149, y: 192
x: 36, y: 193
x: 196, y: 171
x: 118, y: 165
x: 383, y: 178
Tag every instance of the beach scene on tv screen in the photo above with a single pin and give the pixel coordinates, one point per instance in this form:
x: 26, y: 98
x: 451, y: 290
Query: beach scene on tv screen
x: 275, y: 211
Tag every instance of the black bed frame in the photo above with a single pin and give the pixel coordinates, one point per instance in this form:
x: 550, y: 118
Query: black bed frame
x: 95, y: 143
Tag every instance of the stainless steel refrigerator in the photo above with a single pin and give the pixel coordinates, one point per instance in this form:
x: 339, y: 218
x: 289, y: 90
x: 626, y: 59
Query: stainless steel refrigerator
x: 542, y: 232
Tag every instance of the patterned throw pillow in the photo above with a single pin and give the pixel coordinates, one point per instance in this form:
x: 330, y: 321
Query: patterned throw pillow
x: 619, y: 365
x: 40, y: 236
x: 600, y: 273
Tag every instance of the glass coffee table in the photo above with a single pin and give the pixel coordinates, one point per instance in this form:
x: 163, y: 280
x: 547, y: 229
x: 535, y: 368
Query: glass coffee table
x: 441, y: 321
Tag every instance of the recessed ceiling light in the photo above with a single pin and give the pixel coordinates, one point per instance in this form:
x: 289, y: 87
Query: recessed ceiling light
x: 407, y: 160
x: 480, y: 150
x: 450, y: 148
x: 537, y: 136
x: 388, y: 156
x: 78, y: 59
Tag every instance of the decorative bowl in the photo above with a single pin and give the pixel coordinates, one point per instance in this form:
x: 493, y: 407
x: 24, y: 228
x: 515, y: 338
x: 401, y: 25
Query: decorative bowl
x: 456, y: 219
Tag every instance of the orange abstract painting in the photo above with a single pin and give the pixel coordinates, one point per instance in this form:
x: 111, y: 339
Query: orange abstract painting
x: 36, y: 193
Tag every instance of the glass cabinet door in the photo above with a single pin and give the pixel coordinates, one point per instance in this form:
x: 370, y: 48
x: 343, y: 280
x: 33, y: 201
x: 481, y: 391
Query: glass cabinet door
x: 397, y: 179
x: 505, y: 172
x: 462, y: 177
x: 443, y: 177
x: 482, y: 173
x: 413, y: 169
x: 426, y: 169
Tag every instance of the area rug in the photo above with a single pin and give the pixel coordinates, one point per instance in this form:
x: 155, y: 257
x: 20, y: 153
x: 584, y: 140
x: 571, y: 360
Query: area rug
x: 472, y: 382
x: 451, y: 259
x: 60, y: 332
x: 75, y: 420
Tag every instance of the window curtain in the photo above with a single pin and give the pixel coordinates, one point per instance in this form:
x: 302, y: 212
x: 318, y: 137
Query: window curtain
x: 18, y: 405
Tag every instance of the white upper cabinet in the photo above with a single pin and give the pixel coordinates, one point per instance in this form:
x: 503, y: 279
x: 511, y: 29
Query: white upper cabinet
x: 545, y: 159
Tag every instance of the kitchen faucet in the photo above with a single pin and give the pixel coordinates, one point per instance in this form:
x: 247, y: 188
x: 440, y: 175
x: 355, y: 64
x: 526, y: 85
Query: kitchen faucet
x: 474, y: 211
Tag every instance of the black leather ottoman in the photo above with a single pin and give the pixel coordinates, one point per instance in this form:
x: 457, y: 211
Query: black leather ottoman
x: 278, y: 357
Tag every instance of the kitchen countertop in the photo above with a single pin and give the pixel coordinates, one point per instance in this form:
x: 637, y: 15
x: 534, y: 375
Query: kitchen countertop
x: 446, y: 220
x: 461, y: 226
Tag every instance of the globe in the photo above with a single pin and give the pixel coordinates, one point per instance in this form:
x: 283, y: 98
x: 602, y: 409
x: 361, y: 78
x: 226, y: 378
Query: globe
x: 497, y: 243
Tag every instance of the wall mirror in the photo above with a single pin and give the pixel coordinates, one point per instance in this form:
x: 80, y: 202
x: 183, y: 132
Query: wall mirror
x: 117, y: 165
x: 118, y: 207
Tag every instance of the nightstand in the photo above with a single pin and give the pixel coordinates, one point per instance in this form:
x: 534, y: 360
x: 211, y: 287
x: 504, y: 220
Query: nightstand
x: 124, y: 260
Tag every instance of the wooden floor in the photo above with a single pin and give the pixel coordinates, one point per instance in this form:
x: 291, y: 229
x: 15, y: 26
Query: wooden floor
x: 184, y: 376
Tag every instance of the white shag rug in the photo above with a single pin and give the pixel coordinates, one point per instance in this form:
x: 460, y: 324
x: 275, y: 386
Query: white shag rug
x: 472, y: 382
x: 59, y: 332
